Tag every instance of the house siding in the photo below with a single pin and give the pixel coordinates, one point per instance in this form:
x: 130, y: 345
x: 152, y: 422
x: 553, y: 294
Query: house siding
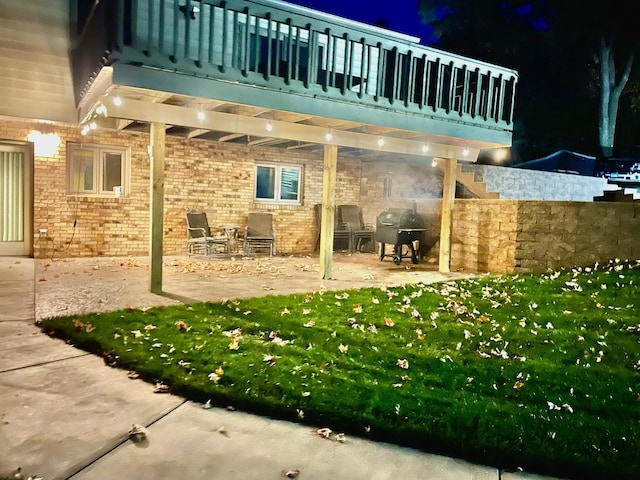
x: 201, y: 175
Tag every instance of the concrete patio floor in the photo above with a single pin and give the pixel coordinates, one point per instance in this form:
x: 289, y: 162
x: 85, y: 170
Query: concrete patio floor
x: 65, y: 415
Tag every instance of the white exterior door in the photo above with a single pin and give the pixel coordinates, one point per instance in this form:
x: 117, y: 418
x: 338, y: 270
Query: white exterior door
x: 15, y: 200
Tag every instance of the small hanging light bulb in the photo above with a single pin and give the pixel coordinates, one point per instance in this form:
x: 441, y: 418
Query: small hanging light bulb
x: 117, y: 101
x: 425, y: 148
x: 201, y: 115
x: 380, y: 142
x: 434, y: 163
x: 329, y: 136
x: 269, y: 127
x: 93, y: 125
x: 465, y: 152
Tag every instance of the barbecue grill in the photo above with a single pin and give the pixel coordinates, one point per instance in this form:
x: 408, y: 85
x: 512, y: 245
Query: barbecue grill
x: 400, y: 227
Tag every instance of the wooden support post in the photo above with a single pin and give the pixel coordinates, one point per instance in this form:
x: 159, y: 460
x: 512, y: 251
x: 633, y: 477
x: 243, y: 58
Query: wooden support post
x: 328, y: 210
x: 156, y: 205
x: 448, y: 196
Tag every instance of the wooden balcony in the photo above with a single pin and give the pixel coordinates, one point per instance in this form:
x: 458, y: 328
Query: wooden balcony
x: 273, y: 55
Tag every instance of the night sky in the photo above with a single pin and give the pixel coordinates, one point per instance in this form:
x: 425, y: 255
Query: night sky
x: 401, y: 15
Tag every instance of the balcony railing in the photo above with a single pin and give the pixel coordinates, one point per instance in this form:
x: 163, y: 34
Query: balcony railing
x: 283, y: 47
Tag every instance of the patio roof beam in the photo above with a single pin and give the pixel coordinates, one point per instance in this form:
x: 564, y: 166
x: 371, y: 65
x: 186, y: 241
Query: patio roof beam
x: 259, y: 127
x: 230, y: 137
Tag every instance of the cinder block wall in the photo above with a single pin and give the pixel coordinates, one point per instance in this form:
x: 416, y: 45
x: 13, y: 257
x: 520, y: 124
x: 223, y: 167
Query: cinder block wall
x: 523, y: 184
x: 566, y: 234
x: 207, y: 176
x: 484, y: 234
x: 504, y: 236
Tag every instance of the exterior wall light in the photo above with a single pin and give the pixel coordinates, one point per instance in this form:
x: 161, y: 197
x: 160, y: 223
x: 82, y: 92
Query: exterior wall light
x: 45, y: 144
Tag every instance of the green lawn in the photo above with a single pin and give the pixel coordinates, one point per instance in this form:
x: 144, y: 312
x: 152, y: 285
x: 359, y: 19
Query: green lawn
x: 534, y: 371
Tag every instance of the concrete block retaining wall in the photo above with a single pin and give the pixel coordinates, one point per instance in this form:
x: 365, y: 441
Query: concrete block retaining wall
x: 505, y: 236
x: 523, y: 184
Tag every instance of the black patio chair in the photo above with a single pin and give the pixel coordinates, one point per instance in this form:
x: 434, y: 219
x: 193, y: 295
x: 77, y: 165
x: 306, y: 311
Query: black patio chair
x: 362, y: 234
x: 341, y: 231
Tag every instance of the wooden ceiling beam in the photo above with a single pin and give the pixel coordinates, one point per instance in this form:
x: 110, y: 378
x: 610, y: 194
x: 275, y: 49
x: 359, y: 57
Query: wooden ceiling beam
x: 257, y: 127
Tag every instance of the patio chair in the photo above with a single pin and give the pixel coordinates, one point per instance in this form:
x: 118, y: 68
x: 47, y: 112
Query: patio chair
x: 259, y: 234
x: 341, y: 231
x: 362, y: 233
x: 202, y: 240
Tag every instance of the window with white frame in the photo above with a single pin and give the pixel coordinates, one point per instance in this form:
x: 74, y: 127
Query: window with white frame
x: 98, y: 170
x: 278, y: 183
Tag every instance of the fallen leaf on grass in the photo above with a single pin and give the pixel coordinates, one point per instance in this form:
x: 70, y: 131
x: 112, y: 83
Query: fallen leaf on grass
x: 403, y: 363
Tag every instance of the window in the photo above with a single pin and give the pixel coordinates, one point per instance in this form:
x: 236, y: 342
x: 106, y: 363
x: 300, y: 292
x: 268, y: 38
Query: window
x: 97, y: 170
x: 278, y: 183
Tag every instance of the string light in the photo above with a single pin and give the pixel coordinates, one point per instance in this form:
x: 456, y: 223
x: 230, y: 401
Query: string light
x: 434, y: 163
x: 465, y: 152
x: 201, y: 115
x: 329, y: 136
x: 425, y: 148
x: 380, y: 142
x: 117, y: 101
x: 269, y: 127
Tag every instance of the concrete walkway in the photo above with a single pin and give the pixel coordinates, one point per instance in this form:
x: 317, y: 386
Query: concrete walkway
x: 65, y: 415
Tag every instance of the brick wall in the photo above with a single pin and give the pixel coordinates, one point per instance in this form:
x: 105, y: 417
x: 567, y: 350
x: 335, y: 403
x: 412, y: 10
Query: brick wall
x: 488, y: 235
x: 201, y: 175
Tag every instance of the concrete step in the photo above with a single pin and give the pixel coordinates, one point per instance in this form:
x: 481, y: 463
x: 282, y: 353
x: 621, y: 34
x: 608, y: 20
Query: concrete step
x: 477, y: 188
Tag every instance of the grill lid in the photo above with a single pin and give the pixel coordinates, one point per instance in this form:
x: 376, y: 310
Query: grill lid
x: 403, y: 218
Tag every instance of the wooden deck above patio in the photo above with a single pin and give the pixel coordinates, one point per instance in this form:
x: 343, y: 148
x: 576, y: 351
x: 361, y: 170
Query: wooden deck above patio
x: 275, y: 61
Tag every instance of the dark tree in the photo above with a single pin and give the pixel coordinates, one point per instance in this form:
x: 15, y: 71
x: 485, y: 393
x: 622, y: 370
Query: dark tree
x: 564, y: 51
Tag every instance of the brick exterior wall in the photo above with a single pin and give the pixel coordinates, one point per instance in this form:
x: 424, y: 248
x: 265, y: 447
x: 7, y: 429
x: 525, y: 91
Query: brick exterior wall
x: 498, y: 236
x: 213, y: 177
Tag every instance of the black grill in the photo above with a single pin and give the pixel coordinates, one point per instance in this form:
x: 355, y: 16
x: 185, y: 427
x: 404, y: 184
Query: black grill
x: 400, y: 227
